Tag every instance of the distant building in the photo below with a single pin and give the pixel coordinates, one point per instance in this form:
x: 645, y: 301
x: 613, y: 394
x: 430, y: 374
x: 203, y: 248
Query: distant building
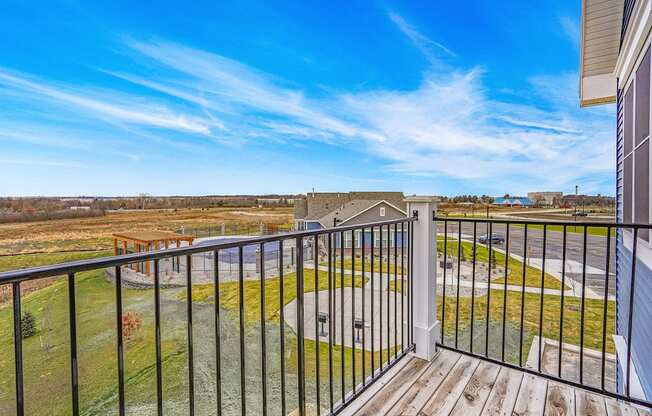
x: 323, y: 210
x: 545, y: 198
x: 515, y: 201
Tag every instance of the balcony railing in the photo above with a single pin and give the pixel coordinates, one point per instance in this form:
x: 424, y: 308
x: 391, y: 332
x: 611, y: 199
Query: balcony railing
x: 354, y: 298
x: 540, y: 296
x: 310, y: 333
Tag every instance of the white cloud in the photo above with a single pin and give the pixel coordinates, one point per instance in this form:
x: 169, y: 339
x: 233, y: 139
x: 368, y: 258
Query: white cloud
x: 420, y: 41
x: 128, y: 110
x: 448, y: 126
x: 571, y: 29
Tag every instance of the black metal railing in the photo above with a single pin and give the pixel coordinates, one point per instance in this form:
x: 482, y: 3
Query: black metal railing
x: 542, y: 297
x: 368, y: 273
x: 628, y: 8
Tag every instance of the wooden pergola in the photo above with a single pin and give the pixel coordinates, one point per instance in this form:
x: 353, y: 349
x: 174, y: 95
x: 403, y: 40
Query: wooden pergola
x: 142, y: 241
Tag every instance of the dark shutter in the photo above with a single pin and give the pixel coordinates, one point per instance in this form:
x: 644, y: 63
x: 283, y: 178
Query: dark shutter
x: 642, y: 129
x: 642, y: 187
x: 629, y: 117
x: 627, y: 190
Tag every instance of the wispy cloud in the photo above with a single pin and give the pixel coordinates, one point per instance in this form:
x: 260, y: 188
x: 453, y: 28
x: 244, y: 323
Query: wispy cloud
x: 128, y: 110
x: 571, y: 29
x: 422, y: 42
x: 448, y: 127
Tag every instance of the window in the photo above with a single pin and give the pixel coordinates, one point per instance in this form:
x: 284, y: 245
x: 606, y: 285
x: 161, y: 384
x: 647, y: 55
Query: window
x: 382, y: 211
x: 636, y: 148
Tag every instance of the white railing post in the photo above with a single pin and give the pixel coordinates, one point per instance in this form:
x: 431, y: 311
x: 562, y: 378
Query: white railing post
x: 424, y: 275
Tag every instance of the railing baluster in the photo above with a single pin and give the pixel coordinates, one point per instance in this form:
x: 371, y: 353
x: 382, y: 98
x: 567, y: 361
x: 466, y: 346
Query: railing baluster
x: 395, y: 288
x: 520, y: 343
x: 457, y: 294
x: 443, y: 298
x: 380, y: 295
x: 543, y: 276
x: 18, y: 349
x: 282, y: 326
x: 604, y: 312
x: 218, y: 341
x: 561, y: 309
x: 388, y: 278
x: 315, y: 254
x: 630, y: 316
x: 157, y: 337
x: 191, y: 362
x: 353, y: 308
x: 343, y: 348
x: 486, y: 332
x: 473, y: 285
x: 583, y: 305
x: 301, y: 369
x: 373, y: 313
x: 263, y: 331
x: 506, y: 273
x: 74, y: 374
x: 412, y: 284
x: 331, y: 276
x: 402, y: 286
x: 120, y: 350
x: 364, y: 314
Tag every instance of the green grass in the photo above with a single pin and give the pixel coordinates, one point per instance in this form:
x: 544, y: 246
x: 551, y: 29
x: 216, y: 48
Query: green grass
x: 229, y: 293
x: 47, y: 353
x: 551, y: 314
x: 515, y: 267
x: 597, y: 231
x: 348, y: 263
x: 22, y: 261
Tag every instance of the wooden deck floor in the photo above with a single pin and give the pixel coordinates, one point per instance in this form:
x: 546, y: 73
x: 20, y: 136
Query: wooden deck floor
x: 456, y: 384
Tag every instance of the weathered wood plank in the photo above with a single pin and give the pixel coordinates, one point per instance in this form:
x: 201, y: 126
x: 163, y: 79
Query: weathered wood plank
x: 477, y: 390
x: 589, y: 404
x: 390, y: 393
x: 504, y: 394
x: 445, y: 397
x: 616, y: 408
x: 532, y: 396
x: 560, y: 400
x: 422, y: 389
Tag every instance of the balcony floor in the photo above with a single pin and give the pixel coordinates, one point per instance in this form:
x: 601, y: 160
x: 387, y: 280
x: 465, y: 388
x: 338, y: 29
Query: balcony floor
x: 456, y: 384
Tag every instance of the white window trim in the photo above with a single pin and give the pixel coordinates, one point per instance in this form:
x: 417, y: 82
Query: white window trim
x: 382, y: 212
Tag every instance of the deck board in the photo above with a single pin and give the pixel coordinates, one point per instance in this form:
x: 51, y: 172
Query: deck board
x: 455, y: 384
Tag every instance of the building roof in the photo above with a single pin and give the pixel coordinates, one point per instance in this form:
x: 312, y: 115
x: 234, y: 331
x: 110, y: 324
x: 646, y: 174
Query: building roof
x: 152, y: 236
x: 347, y: 211
x: 318, y: 205
x: 512, y: 201
x: 600, y: 45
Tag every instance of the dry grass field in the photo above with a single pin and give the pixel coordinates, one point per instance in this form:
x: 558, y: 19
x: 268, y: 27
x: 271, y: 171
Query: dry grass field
x: 94, y: 233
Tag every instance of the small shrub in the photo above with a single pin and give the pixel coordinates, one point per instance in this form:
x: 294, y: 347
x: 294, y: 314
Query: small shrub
x: 28, y: 325
x: 130, y: 324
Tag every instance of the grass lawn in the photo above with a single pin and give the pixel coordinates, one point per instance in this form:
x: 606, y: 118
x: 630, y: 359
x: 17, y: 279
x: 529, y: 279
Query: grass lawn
x: 597, y: 231
x: 551, y: 314
x: 229, y: 293
x: 348, y: 263
x: 23, y: 261
x: 46, y: 362
x: 515, y: 267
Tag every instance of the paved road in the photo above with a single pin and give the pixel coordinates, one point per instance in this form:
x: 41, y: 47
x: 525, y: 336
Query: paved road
x: 596, y: 252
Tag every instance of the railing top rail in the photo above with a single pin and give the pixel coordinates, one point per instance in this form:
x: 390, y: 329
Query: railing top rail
x: 112, y: 261
x: 544, y: 222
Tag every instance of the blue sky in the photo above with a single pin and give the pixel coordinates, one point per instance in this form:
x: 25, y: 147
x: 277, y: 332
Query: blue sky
x: 118, y: 98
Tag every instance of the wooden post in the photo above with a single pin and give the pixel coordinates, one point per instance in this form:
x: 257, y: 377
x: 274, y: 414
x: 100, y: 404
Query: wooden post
x: 115, y: 246
x: 147, y: 265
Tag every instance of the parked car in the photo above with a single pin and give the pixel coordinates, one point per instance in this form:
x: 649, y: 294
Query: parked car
x: 495, y: 239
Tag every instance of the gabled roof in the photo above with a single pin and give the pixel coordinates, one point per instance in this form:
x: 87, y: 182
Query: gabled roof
x: 599, y: 48
x: 351, y: 210
x: 316, y: 205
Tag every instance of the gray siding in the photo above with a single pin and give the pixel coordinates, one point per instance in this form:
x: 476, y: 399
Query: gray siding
x: 373, y: 215
x: 642, y: 319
